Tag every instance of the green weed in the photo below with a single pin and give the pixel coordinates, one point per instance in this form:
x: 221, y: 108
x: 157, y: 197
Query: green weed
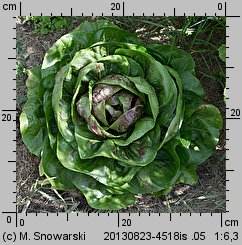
x: 47, y: 24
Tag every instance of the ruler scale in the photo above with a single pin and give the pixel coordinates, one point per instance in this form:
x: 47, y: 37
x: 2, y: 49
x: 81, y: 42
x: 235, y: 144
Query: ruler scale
x: 131, y: 228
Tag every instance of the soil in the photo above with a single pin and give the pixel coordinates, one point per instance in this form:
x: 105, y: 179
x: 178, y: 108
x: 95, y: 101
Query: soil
x: 208, y: 195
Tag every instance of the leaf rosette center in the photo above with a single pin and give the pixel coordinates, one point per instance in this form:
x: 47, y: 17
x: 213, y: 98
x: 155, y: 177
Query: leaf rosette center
x: 115, y: 109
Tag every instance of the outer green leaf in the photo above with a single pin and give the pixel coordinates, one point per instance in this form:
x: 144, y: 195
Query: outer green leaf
x: 202, y: 131
x: 222, y: 52
x: 65, y: 48
x: 50, y: 118
x: 189, y: 175
x: 105, y: 170
x: 32, y: 120
x: 99, y: 197
x: 192, y: 92
x: 183, y: 64
x: 171, y: 56
x: 178, y: 118
x: 163, y: 172
x: 58, y: 176
x: 62, y: 108
x: 70, y: 44
x: 113, y: 34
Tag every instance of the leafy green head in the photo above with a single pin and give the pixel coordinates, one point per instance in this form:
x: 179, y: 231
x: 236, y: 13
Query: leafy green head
x: 113, y: 118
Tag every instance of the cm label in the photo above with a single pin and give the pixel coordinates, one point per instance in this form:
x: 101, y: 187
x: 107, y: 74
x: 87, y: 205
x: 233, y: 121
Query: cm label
x: 9, y: 6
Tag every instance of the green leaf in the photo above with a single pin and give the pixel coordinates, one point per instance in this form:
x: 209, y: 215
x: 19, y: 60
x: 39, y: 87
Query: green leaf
x: 171, y: 56
x: 159, y: 78
x: 222, y: 52
x: 125, y: 83
x: 183, y: 64
x: 99, y: 197
x: 192, y: 93
x: 59, y: 177
x: 51, y: 124
x: 202, y: 131
x: 189, y: 175
x: 62, y: 108
x: 66, y: 47
x: 32, y: 119
x: 145, y: 88
x: 163, y: 172
x: 105, y: 170
x: 20, y: 100
x: 176, y: 122
x: 83, y: 58
x: 44, y: 30
x: 46, y: 19
x: 59, y: 24
x: 112, y: 33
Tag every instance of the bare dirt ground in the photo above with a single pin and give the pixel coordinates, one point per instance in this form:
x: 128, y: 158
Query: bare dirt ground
x: 208, y: 195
